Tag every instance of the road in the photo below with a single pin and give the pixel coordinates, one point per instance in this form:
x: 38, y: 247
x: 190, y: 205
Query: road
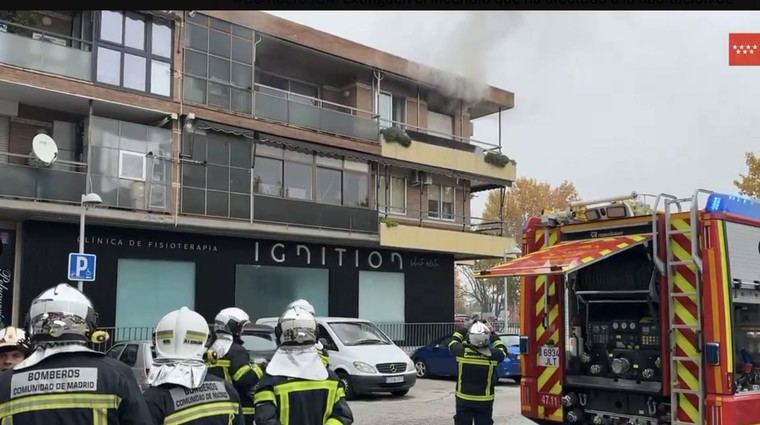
x: 431, y: 402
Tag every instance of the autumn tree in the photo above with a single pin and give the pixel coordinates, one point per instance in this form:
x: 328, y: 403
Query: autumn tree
x: 750, y: 184
x: 527, y: 197
x: 488, y: 297
x: 460, y: 297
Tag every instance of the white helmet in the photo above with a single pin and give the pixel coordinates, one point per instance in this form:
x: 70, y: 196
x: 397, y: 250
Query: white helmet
x: 303, y: 304
x: 181, y: 335
x: 231, y: 320
x: 478, y: 335
x: 298, y: 327
x: 61, y: 313
x: 12, y: 337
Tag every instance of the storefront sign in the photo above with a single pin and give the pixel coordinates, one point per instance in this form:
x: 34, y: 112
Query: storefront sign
x: 7, y: 260
x: 311, y: 255
x: 149, y: 244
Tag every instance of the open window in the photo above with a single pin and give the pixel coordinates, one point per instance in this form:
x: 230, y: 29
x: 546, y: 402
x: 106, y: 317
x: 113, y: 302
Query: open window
x: 132, y: 166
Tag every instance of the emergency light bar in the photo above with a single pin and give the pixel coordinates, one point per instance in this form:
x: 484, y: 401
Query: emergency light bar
x: 733, y: 204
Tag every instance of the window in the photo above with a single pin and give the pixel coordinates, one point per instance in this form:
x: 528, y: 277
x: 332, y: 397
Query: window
x: 359, y: 333
x: 440, y: 123
x: 170, y: 283
x: 391, y: 108
x: 390, y: 288
x: 115, y: 351
x: 132, y: 165
x: 129, y: 356
x: 396, y: 195
x: 264, y: 291
x: 328, y: 185
x: 217, y: 181
x: 134, y: 51
x: 298, y: 180
x: 355, y: 189
x: 292, y: 87
x: 267, y: 176
x: 440, y: 202
x: 218, y: 64
x: 323, y: 334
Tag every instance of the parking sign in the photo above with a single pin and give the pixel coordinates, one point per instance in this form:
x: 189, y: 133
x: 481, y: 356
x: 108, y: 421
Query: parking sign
x: 82, y: 267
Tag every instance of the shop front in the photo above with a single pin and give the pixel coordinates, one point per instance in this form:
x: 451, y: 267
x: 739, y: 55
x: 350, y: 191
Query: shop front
x: 142, y: 274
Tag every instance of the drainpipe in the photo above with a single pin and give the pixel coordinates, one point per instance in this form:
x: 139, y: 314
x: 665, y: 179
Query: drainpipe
x: 88, y: 176
x: 177, y: 157
x: 499, y: 128
x: 253, y: 74
x: 419, y: 124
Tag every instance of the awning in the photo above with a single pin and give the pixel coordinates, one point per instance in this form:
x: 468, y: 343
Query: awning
x: 566, y: 257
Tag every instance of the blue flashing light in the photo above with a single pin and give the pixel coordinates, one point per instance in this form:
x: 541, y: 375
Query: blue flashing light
x: 733, y: 204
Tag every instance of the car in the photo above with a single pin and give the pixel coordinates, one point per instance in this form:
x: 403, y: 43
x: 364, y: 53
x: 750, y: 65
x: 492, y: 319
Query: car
x: 260, y: 342
x: 435, y: 359
x: 138, y: 355
x: 363, y: 357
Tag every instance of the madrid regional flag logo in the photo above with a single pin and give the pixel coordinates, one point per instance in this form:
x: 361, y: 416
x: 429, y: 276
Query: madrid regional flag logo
x: 744, y: 49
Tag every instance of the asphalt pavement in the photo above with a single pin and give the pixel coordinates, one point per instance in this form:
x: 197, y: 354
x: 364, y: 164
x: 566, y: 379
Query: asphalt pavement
x: 431, y: 402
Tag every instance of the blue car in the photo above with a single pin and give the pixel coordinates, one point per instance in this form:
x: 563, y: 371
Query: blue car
x: 435, y: 359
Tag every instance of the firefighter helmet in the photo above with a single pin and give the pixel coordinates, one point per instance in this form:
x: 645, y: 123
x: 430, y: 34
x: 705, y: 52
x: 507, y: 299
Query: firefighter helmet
x: 61, y: 313
x: 12, y: 337
x: 302, y: 303
x: 298, y: 327
x: 478, y: 335
x: 181, y: 335
x: 231, y: 320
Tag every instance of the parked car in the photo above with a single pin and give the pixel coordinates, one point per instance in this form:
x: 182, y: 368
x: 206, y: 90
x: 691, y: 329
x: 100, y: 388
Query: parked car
x: 260, y: 342
x: 365, y: 359
x: 138, y: 355
x: 435, y: 359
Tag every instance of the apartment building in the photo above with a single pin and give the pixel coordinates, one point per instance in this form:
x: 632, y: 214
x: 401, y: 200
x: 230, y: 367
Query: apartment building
x: 242, y: 159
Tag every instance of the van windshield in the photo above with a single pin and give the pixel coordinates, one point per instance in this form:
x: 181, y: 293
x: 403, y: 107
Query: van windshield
x: 359, y: 333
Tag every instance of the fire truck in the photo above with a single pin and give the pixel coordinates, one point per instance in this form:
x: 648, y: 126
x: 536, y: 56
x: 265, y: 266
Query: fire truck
x: 641, y: 313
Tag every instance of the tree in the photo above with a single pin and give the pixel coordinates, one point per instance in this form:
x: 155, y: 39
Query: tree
x: 527, y: 198
x: 460, y: 298
x: 488, y: 294
x: 750, y: 184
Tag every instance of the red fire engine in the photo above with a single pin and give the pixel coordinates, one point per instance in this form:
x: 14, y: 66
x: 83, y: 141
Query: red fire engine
x: 634, y: 315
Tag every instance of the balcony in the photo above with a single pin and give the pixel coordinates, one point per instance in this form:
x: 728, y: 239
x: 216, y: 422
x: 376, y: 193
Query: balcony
x: 63, y: 182
x: 467, y: 237
x: 32, y: 48
x: 312, y: 113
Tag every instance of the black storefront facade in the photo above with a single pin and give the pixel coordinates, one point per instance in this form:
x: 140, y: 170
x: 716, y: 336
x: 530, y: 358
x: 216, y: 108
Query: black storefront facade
x: 142, y: 274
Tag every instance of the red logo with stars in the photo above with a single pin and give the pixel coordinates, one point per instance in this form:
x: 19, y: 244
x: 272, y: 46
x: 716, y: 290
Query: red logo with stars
x: 744, y: 49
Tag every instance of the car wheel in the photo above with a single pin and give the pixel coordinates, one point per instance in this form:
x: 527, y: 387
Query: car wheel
x: 421, y: 368
x: 400, y: 393
x: 349, y: 389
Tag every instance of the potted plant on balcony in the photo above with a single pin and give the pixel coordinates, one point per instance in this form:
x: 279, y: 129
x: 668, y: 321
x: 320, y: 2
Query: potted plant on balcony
x: 397, y: 135
x: 498, y: 159
x: 388, y: 221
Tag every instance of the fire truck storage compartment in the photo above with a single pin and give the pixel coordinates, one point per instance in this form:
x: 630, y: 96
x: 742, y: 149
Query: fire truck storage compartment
x: 614, y: 330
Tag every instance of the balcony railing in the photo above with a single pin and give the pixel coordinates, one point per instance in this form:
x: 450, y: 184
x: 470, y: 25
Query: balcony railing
x: 446, y: 139
x: 64, y: 181
x: 436, y: 219
x: 33, y: 48
x: 312, y: 113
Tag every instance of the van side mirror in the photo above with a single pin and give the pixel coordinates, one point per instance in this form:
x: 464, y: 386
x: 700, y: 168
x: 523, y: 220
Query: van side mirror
x: 712, y: 353
x: 327, y: 345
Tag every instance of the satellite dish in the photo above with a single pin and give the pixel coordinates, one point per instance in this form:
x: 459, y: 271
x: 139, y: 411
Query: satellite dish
x: 44, y: 150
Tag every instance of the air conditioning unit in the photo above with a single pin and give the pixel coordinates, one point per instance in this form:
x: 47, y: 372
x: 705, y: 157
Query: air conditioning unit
x: 421, y: 178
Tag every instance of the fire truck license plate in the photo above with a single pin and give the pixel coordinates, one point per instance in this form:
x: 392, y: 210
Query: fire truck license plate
x: 549, y: 400
x: 548, y: 356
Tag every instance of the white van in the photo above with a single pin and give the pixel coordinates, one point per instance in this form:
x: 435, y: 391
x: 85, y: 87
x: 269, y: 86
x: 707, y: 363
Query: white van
x: 365, y: 359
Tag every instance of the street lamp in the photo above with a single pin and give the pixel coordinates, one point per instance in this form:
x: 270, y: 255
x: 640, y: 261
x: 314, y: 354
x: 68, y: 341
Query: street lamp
x: 509, y: 254
x: 88, y: 200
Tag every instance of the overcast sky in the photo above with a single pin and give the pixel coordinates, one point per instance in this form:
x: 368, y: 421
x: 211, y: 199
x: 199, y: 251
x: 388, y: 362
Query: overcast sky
x: 612, y: 101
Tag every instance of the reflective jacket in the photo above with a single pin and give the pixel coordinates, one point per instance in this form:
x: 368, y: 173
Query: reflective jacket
x: 215, y: 402
x: 237, y: 369
x: 476, y: 372
x: 291, y: 401
x: 73, y: 389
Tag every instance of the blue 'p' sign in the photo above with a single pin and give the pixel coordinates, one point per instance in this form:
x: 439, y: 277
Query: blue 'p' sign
x: 82, y: 267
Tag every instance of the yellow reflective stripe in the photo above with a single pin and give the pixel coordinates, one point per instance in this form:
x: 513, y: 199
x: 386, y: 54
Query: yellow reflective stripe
x: 475, y: 361
x: 202, y: 411
x: 242, y: 371
x: 248, y: 410
x: 283, y: 391
x: 59, y: 401
x: 341, y: 393
x: 225, y: 365
x: 333, y: 421
x: 99, y: 416
x: 458, y: 335
x: 490, y: 379
x: 474, y: 397
x: 7, y: 421
x: 262, y: 396
x: 257, y: 370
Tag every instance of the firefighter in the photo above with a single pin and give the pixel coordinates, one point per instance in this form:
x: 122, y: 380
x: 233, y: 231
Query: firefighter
x: 296, y: 376
x: 181, y: 392
x: 228, y: 359
x: 478, y: 351
x: 303, y: 304
x: 13, y: 347
x: 63, y: 381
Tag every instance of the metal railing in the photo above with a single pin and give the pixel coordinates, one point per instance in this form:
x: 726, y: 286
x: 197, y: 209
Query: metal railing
x: 436, y: 219
x: 484, y: 146
x: 64, y: 181
x: 408, y: 336
x: 35, y: 48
